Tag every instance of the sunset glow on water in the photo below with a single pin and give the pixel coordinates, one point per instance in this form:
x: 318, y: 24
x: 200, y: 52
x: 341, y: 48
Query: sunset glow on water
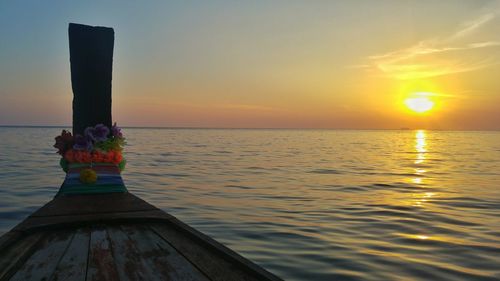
x: 305, y: 204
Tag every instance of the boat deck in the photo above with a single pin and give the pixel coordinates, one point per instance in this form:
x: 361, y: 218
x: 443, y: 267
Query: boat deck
x: 115, y: 237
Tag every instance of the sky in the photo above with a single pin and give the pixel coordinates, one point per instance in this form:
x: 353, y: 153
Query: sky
x: 263, y: 64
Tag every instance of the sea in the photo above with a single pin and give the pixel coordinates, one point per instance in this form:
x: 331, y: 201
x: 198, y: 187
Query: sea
x: 304, y: 204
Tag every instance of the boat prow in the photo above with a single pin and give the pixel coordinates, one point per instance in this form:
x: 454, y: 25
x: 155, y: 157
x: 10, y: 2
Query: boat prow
x: 115, y: 236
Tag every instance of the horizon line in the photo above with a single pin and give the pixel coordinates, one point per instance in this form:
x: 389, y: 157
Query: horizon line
x: 258, y: 128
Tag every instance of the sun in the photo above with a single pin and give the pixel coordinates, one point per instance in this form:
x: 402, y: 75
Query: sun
x: 419, y: 104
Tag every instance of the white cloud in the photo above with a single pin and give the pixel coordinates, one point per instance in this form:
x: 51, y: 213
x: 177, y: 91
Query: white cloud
x: 458, y: 52
x: 473, y: 25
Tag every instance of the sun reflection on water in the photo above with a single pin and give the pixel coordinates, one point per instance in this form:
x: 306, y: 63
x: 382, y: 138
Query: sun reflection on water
x: 420, y: 146
x: 422, y: 198
x: 421, y: 150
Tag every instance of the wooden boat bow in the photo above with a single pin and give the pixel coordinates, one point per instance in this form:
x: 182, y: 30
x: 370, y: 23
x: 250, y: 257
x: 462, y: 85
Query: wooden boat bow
x: 111, y: 235
x: 74, y: 235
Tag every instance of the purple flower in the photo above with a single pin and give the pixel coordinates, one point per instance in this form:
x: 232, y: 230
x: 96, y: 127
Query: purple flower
x: 116, y: 131
x: 82, y: 143
x: 98, y: 133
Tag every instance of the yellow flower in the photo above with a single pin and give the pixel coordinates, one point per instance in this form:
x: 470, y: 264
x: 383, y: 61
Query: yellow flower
x: 88, y: 176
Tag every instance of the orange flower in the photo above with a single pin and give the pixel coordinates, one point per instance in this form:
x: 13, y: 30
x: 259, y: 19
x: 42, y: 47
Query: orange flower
x: 106, y: 157
x: 80, y: 156
x: 69, y: 156
x: 76, y: 155
x: 118, y: 158
x: 86, y: 157
x: 97, y: 156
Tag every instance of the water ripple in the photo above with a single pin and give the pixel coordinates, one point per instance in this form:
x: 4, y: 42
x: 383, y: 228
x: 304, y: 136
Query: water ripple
x: 305, y: 204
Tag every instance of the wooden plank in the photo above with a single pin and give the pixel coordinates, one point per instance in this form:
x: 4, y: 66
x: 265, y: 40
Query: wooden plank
x: 211, y: 264
x: 101, y: 265
x: 93, y: 204
x: 127, y: 257
x: 14, y: 256
x: 8, y: 238
x: 91, y: 55
x: 73, y: 264
x: 209, y: 256
x: 214, y: 259
x: 44, y: 260
x: 32, y: 223
x: 142, y: 255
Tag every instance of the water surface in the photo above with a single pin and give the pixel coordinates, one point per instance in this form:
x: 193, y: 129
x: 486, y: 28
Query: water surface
x: 304, y: 204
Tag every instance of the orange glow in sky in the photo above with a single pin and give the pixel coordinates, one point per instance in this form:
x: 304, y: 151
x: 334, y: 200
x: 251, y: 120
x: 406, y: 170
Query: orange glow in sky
x: 310, y: 64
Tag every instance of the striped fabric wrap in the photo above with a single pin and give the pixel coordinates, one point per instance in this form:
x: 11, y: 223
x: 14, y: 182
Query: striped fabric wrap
x: 109, y: 180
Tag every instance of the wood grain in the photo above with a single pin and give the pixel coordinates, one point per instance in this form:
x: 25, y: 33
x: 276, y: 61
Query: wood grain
x: 73, y: 264
x: 35, y: 223
x: 101, y: 265
x: 91, y: 56
x: 161, y: 261
x: 211, y: 257
x: 124, y: 238
x: 14, y: 257
x: 93, y: 204
x: 43, y: 262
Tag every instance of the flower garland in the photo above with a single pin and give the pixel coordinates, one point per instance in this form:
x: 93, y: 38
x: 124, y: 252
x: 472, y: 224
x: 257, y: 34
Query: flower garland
x: 99, y: 144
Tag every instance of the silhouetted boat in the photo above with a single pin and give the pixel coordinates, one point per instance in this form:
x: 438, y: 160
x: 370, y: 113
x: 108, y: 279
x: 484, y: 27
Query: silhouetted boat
x: 109, y: 233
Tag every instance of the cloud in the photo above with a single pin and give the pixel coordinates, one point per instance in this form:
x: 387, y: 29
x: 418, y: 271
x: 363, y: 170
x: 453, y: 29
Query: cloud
x: 359, y: 66
x: 455, y: 53
x: 473, y: 25
x: 419, y: 71
x: 484, y: 44
x: 227, y: 106
x: 247, y: 107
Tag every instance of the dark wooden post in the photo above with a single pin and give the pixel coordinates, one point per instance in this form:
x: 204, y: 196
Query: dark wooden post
x: 91, y: 56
